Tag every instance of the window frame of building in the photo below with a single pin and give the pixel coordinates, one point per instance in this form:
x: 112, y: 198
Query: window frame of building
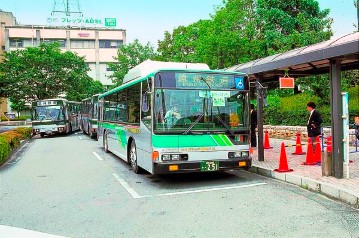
x: 82, y: 44
x: 110, y: 44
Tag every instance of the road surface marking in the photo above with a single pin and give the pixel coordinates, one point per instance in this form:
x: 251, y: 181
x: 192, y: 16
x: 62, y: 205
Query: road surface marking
x: 8, y: 232
x: 97, y: 156
x: 126, y: 186
x: 80, y: 137
x: 205, y: 190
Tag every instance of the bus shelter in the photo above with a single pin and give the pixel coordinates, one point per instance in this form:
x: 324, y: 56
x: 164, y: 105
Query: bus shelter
x: 332, y: 56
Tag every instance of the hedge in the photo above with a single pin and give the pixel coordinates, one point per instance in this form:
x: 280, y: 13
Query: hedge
x: 292, y: 110
x: 21, y: 118
x: 10, y: 140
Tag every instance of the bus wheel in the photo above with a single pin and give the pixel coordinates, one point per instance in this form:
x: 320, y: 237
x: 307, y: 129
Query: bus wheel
x: 105, y: 142
x: 42, y: 134
x: 133, y: 158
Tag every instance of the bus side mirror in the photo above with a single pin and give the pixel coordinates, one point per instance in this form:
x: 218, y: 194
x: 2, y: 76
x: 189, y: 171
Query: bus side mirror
x: 145, y: 104
x: 149, y: 85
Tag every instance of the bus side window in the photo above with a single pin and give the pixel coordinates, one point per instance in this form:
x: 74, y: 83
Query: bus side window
x: 146, y: 99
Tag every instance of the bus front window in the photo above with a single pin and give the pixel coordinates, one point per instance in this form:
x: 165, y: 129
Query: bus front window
x: 53, y: 113
x: 185, y: 111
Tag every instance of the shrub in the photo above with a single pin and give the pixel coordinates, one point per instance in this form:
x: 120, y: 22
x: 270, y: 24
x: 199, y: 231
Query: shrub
x: 12, y: 138
x: 4, y: 150
x: 24, y: 131
x: 21, y: 118
x: 291, y: 110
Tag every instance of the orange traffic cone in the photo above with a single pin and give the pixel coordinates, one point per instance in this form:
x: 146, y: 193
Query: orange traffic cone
x: 266, y: 141
x: 310, y: 160
x: 283, y: 162
x: 318, y: 151
x: 298, y: 146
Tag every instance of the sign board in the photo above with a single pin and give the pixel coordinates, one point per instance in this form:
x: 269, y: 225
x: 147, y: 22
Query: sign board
x: 286, y: 82
x: 345, y: 105
x: 82, y: 21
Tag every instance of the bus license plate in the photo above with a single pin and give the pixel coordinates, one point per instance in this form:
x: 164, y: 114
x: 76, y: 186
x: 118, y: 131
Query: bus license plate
x: 209, y: 165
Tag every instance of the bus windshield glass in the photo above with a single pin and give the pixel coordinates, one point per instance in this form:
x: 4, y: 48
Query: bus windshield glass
x: 199, y: 111
x: 53, y: 113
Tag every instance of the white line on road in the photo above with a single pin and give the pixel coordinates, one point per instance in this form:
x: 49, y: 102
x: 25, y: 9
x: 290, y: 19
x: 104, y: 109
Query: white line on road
x: 97, y: 156
x: 80, y: 137
x: 205, y: 190
x: 126, y: 186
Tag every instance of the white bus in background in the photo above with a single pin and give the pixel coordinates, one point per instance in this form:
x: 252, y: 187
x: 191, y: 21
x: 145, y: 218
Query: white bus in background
x: 55, y: 116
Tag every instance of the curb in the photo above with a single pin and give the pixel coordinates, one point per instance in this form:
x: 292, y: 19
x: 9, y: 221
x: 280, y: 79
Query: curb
x: 14, y: 151
x: 349, y: 197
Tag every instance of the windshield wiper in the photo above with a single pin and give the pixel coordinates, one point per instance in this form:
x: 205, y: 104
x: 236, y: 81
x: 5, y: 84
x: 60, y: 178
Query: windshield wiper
x: 225, y: 125
x: 193, y: 124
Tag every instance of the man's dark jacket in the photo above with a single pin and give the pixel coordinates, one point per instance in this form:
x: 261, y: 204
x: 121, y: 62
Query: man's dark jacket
x: 313, y: 126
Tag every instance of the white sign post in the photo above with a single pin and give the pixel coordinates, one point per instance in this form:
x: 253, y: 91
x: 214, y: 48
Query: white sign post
x: 345, y: 100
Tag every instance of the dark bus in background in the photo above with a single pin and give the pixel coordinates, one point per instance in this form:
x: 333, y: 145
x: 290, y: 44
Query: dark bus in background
x: 55, y: 116
x: 89, y: 116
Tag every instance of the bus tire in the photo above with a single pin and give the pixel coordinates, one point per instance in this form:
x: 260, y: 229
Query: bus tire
x: 42, y: 134
x: 133, y: 158
x: 105, y: 142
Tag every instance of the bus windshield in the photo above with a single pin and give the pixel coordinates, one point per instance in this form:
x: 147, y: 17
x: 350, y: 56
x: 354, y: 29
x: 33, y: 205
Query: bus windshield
x: 53, y: 113
x: 200, y: 111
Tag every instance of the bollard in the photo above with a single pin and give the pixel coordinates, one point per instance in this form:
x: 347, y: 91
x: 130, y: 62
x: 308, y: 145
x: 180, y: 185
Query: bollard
x: 327, y: 159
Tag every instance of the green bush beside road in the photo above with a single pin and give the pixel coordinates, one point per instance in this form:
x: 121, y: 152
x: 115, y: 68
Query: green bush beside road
x: 291, y: 110
x: 10, y: 140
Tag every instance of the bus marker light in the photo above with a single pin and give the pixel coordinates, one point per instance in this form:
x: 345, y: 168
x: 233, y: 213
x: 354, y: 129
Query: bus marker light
x: 173, y: 167
x: 242, y: 163
x: 155, y: 155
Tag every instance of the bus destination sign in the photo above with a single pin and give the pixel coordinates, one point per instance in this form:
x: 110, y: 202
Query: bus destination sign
x: 46, y: 103
x: 213, y: 81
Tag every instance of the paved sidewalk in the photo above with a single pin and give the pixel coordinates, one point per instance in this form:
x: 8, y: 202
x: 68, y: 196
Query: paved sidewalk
x: 310, y: 177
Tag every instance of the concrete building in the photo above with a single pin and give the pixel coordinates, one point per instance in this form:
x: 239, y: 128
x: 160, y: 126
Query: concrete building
x: 6, y: 19
x: 97, y: 45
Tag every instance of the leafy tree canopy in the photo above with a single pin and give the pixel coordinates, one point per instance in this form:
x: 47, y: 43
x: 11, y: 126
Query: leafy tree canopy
x: 129, y: 56
x: 42, y: 72
x: 244, y: 30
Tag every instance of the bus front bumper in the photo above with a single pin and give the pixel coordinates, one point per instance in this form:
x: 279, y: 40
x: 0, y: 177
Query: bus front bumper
x: 195, y: 166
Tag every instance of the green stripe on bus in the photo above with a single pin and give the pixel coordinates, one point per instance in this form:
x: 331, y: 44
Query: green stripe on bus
x: 219, y: 140
x: 226, y: 140
x: 173, y: 141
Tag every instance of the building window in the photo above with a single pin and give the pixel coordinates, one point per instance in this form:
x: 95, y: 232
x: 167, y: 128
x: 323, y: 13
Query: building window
x: 82, y: 44
x: 60, y: 41
x: 28, y: 43
x: 16, y: 43
x: 108, y: 68
x: 110, y: 43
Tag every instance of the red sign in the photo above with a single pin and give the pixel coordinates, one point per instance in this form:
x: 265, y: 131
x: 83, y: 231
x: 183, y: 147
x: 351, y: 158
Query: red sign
x: 286, y: 82
x: 83, y: 34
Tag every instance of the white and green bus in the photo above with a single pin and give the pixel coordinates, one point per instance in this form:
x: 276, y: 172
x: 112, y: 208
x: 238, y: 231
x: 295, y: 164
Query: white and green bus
x: 89, y: 116
x: 55, y: 116
x: 177, y: 117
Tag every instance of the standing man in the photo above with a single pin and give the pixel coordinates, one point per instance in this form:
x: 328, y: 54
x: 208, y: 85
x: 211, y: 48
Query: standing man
x: 253, y: 126
x: 314, y: 121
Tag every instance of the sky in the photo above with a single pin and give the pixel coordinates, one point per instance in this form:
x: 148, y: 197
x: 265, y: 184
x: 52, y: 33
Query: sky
x: 147, y: 20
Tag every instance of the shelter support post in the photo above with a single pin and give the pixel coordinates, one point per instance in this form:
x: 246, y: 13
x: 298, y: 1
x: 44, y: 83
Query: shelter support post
x: 260, y: 95
x: 337, y: 119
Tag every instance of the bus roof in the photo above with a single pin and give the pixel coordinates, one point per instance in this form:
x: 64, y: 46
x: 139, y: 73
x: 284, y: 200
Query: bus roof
x: 149, y: 68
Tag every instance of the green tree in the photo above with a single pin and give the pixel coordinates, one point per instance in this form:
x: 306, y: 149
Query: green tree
x: 19, y: 105
x: 42, y: 72
x: 244, y: 30
x: 128, y: 56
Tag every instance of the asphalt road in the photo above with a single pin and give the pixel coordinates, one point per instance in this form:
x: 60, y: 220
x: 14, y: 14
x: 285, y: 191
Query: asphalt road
x: 68, y: 186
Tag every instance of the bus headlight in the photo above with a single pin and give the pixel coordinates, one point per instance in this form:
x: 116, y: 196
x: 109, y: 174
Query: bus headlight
x: 174, y: 157
x: 166, y: 157
x: 238, y: 154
